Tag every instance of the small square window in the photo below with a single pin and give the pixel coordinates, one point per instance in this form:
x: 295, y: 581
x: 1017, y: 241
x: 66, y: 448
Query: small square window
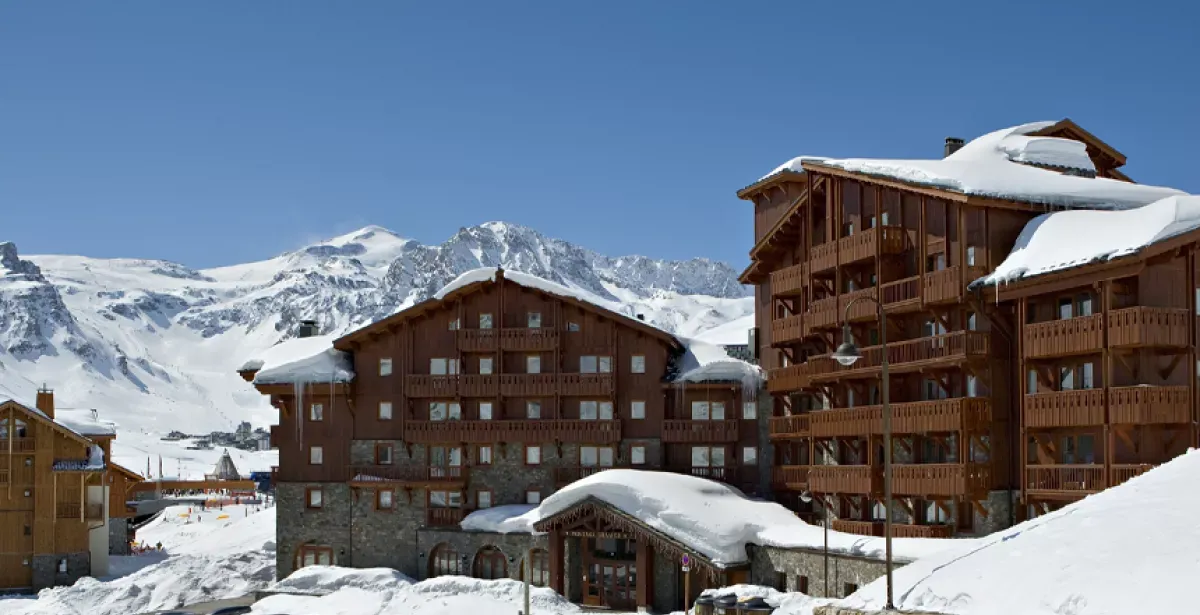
x: 533, y: 409
x: 749, y: 455
x: 533, y: 497
x: 316, y: 455
x: 605, y: 365
x: 455, y: 411
x: 485, y: 365
x: 637, y: 409
x: 316, y: 412
x: 383, y: 455
x: 638, y: 364
x: 437, y: 367
x: 385, y: 366
x: 485, y: 321
x: 573, y: 326
x: 455, y: 325
x: 749, y: 410
x: 587, y: 364
x: 606, y: 411
x: 485, y: 410
x: 533, y: 364
x: 384, y: 501
x: 637, y: 455
x: 588, y: 410
x: 437, y: 410
x: 718, y: 411
x: 533, y: 454
x: 485, y: 455
x: 315, y: 498
x: 483, y: 499
x: 28, y: 531
x: 535, y: 320
x: 970, y: 256
x: 385, y: 410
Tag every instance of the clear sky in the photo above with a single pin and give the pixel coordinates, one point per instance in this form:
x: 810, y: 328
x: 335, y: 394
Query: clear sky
x: 212, y: 133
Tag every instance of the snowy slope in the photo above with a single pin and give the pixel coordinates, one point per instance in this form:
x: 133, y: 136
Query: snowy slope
x: 153, y: 345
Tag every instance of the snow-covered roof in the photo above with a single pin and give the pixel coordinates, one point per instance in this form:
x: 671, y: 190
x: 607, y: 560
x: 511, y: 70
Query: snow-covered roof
x: 1066, y: 239
x: 1082, y: 559
x: 82, y: 422
x: 999, y: 165
x: 704, y: 362
x: 302, y: 359
x: 712, y: 518
x: 506, y: 519
x: 795, y: 165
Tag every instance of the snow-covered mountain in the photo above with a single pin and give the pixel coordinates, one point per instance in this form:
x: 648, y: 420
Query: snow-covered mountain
x: 152, y: 344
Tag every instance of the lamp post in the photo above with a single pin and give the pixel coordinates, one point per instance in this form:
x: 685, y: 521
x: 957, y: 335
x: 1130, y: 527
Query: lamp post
x: 847, y: 354
x: 807, y: 497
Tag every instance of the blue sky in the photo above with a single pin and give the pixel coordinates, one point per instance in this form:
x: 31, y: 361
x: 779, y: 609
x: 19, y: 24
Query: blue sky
x: 211, y: 133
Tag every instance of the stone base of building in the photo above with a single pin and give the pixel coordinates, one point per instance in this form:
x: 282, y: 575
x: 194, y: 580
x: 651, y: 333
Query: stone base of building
x: 804, y: 570
x: 119, y: 536
x: 48, y: 569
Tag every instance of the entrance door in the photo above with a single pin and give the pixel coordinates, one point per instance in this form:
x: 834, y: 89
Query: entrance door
x: 611, y: 583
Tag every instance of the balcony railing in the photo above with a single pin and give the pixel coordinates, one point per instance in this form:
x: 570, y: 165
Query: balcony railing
x: 861, y: 310
x: 941, y: 479
x: 527, y: 385
x: 957, y: 346
x: 477, y: 340
x: 566, y: 476
x: 1064, y: 479
x: 413, y: 475
x: 823, y: 314
x: 444, y: 517
x: 422, y: 385
x: 795, y: 426
x: 1149, y: 405
x: 585, y: 384
x: 478, y: 385
x: 789, y: 281
x: 684, y: 431
x: 788, y: 379
x: 790, y: 477
x: 933, y: 416
x: 901, y: 293
x: 528, y: 340
x: 521, y: 431
x: 787, y: 330
x: 846, y: 479
x: 861, y: 246
x: 904, y: 530
x: 1121, y: 472
x: 1139, y: 327
x: 823, y: 257
x: 1065, y: 409
x: 862, y: 528
x: 948, y: 285
x: 18, y: 445
x: 1059, y: 338
x: 72, y: 510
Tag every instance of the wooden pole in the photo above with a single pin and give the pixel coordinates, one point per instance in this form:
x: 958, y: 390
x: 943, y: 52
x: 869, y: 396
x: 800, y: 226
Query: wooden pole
x: 687, y: 588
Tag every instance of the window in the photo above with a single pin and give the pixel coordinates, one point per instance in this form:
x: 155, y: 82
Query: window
x: 316, y: 456
x: 587, y: 364
x: 315, y: 497
x: 533, y: 497
x: 533, y: 364
x: 1066, y: 379
x: 1084, y: 305
x: 849, y: 588
x: 588, y: 410
x: 455, y: 325
x: 970, y: 256
x: 383, y: 454
x: 708, y: 456
x: 385, y: 366
x: 533, y: 455
x: 444, y: 560
x: 533, y: 409
x: 1086, y: 375
x: 749, y: 455
x: 490, y: 564
x: 441, y: 411
x: 802, y: 584
x: 972, y: 386
x: 638, y: 364
x: 383, y: 499
x: 316, y: 412
x: 1031, y: 383
x: 485, y: 321
x: 605, y: 365
x: 535, y: 320
x: 485, y: 365
x: 1079, y: 449
x: 573, y: 327
x: 1065, y: 309
x: 385, y: 410
x: 314, y: 555
x: 637, y: 409
x: 539, y: 566
x: 935, y: 513
x: 443, y: 367
x: 484, y: 456
x: 749, y: 410
x: 637, y: 455
x: 483, y: 499
x: 485, y: 410
x: 446, y: 457
x: 593, y: 456
x: 700, y: 411
x: 445, y: 499
x: 606, y: 411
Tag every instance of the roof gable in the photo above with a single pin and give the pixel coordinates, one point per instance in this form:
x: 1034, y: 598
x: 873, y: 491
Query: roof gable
x: 40, y: 417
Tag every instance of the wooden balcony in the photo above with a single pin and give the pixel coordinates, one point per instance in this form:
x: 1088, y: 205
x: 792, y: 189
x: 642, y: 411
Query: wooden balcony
x: 1121, y: 472
x: 585, y: 385
x: 789, y: 281
x: 478, y: 385
x: 787, y: 330
x: 823, y: 314
x: 408, y: 475
x: 1147, y: 327
x: 1149, y: 405
x: 1063, y: 481
x: 863, y: 309
x: 795, y: 426
x: 862, y: 528
x: 17, y: 445
x: 901, y: 295
x: 862, y: 245
x: 477, y: 340
x: 1062, y: 338
x: 788, y: 379
x: 823, y: 258
x: 941, y: 479
x: 423, y: 385
x: 528, y: 340
x: 521, y: 431
x: 846, y: 479
x: 444, y: 517
x: 1081, y: 408
x: 75, y: 510
x: 686, y: 431
x: 949, y: 285
x: 794, y: 478
x: 904, y: 530
x: 527, y: 385
x: 933, y: 416
x: 909, y: 355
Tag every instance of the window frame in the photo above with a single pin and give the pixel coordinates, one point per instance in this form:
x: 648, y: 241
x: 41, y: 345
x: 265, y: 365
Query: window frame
x: 319, y: 455
x: 637, y: 364
x: 391, y: 505
x: 491, y: 499
x: 391, y: 411
x: 634, y: 450
x: 634, y: 406
x: 479, y: 454
x: 536, y: 450
x: 389, y: 458
x: 316, y: 412
x: 308, y: 498
x: 385, y: 366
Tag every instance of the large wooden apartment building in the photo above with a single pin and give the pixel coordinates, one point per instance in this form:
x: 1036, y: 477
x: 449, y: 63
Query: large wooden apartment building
x: 1009, y: 397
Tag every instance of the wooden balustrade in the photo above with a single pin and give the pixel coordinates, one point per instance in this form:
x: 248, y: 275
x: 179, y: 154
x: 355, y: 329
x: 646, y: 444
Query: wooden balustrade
x: 521, y: 431
x: 568, y: 475
x: 1149, y: 405
x: 932, y: 416
x: 678, y: 431
x: 941, y: 479
x: 528, y: 340
x: 795, y: 426
x: 846, y: 479
x: 444, y: 517
x: 789, y: 281
x: 1142, y: 327
x: 75, y: 510
x: 477, y: 340
x: 943, y: 286
x: 724, y: 474
x: 905, y: 530
x: 790, y: 477
x: 413, y: 475
x: 787, y: 330
x: 1060, y: 338
x: 862, y: 528
x: 909, y: 354
x: 862, y: 308
x: 862, y: 245
x: 1064, y: 479
x: 585, y: 384
x: 527, y: 385
x: 901, y: 294
x: 478, y: 385
x: 1121, y: 472
x: 4, y: 476
x: 788, y: 379
x: 845, y: 422
x: 424, y: 385
x: 1080, y: 408
x: 17, y: 445
x: 823, y: 257
x: 823, y: 314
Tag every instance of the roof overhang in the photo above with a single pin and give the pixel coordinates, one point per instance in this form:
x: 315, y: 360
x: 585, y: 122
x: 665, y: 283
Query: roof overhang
x: 768, y: 181
x: 38, y: 416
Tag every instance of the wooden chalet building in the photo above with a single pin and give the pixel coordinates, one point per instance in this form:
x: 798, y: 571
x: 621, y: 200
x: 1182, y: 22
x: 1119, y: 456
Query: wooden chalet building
x: 498, y: 391
x: 1035, y: 393
x: 62, y: 503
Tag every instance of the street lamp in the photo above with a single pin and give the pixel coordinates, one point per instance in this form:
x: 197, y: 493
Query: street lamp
x: 807, y: 497
x: 847, y: 354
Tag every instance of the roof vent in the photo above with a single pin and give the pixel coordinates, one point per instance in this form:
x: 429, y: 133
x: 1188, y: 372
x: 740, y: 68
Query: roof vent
x: 953, y: 144
x: 641, y: 317
x: 308, y: 328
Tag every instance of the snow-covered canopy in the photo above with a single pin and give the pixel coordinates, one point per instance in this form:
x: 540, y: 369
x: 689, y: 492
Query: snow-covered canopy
x: 704, y: 362
x: 303, y: 359
x: 1066, y: 239
x: 993, y: 165
x: 715, y: 520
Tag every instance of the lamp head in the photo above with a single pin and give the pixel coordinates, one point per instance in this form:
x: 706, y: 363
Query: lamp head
x: 847, y: 354
x: 806, y: 497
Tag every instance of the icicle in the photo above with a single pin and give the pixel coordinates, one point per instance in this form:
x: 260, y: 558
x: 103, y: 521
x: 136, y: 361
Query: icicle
x: 298, y: 393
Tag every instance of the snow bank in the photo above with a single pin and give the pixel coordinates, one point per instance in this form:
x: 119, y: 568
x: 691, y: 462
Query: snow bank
x: 990, y: 166
x: 324, y: 580
x: 1130, y: 549
x: 302, y: 359
x: 500, y: 519
x: 1066, y: 239
x: 704, y: 362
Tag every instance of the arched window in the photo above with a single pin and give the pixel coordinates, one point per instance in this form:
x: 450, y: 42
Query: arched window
x: 539, y: 559
x: 444, y: 560
x: 490, y: 564
x: 313, y: 555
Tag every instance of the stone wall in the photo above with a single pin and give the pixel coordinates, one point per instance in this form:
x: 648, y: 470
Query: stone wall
x: 468, y: 544
x: 766, y: 409
x: 767, y: 563
x: 1000, y: 506
x: 46, y: 574
x: 667, y: 597
x: 118, y: 536
x: 387, y: 538
x: 296, y: 524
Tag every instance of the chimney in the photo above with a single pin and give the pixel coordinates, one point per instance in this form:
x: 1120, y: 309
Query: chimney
x: 953, y: 144
x: 641, y: 317
x: 45, y: 401
x: 308, y: 328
